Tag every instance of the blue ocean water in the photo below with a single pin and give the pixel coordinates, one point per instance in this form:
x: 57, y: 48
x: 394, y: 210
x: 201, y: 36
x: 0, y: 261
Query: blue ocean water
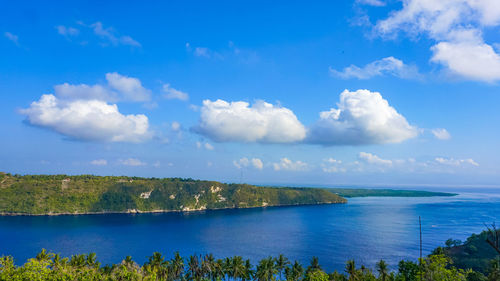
x: 365, y: 229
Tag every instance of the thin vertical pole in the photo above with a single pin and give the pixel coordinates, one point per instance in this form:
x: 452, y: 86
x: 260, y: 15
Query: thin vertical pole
x: 420, y: 225
x: 420, y: 260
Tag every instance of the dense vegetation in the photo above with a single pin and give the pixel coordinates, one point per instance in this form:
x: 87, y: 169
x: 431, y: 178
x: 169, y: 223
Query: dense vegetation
x: 362, y: 192
x: 49, y: 266
x: 61, y: 194
x: 474, y: 253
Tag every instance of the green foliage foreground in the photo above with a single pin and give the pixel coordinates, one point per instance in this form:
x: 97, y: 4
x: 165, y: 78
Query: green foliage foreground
x: 50, y: 266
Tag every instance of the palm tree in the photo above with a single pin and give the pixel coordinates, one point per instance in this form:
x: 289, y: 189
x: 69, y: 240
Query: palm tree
x: 294, y: 272
x: 218, y: 271
x: 78, y: 261
x: 314, y: 265
x: 194, y: 267
x: 207, y: 266
x: 350, y: 268
x: 177, y: 266
x: 382, y: 269
x: 237, y: 267
x: 228, y: 270
x: 266, y: 270
x: 92, y: 260
x: 155, y: 260
x: 158, y: 264
x: 281, y: 263
x: 44, y: 256
x: 248, y: 275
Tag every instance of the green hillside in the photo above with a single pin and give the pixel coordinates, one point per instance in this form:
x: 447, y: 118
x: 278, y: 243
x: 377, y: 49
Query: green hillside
x: 61, y: 194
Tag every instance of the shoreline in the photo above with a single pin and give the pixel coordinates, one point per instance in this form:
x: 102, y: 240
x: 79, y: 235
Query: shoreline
x: 135, y: 211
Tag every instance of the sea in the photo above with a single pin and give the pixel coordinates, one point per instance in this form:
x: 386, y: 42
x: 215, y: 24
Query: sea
x: 365, y: 229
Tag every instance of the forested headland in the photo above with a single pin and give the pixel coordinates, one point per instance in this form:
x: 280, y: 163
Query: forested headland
x: 84, y: 194
x: 89, y: 194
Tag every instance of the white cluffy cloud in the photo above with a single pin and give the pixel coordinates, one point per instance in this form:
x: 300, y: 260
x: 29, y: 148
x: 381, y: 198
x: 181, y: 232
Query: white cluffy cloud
x: 239, y: 122
x: 88, y: 120
x: 99, y: 162
x: 441, y: 134
x: 456, y: 26
x: 362, y: 117
x: 455, y: 162
x: 134, y: 162
x: 119, y: 88
x: 286, y: 164
x: 373, y: 159
x: 206, y: 145
x: 245, y: 162
x: 332, y: 165
x: 171, y: 93
x: 389, y: 66
x: 176, y: 126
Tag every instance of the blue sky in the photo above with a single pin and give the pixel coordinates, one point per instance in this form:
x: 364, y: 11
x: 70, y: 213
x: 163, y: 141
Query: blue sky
x: 366, y: 92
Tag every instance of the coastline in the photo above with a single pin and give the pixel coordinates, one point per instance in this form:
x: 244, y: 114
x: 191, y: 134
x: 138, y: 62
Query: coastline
x: 135, y: 211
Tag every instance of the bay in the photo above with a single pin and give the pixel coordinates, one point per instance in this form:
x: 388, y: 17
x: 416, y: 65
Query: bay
x: 365, y: 229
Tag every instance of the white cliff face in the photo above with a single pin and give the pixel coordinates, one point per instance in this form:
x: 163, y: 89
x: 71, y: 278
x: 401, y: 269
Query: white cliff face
x: 146, y: 195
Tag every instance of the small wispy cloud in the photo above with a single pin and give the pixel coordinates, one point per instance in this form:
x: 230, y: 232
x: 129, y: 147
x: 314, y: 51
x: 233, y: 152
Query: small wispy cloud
x: 441, y: 134
x: 99, y: 162
x: 134, y: 162
x: 108, y: 35
x: 12, y: 37
x: 111, y: 35
x: 171, y: 93
x: 386, y: 66
x: 67, y: 30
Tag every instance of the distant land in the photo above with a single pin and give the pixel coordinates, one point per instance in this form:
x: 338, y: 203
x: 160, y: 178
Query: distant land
x: 88, y: 194
x: 366, y: 192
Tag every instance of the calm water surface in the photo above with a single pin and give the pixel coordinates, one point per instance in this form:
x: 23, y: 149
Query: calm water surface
x: 365, y: 229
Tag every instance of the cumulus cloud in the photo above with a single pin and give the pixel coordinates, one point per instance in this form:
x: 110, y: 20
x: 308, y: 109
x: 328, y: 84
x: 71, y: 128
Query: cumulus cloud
x: 129, y: 88
x: 257, y: 163
x: 176, y: 126
x: 171, y: 93
x: 119, y: 88
x: 373, y: 159
x: 286, y: 164
x: 456, y: 26
x: 134, y: 162
x: 206, y: 145
x: 441, y: 134
x: 99, y: 162
x: 331, y: 165
x: 477, y: 61
x: 455, y: 162
x: 88, y: 120
x: 362, y: 117
x: 245, y: 162
x: 386, y: 66
x: 237, y: 121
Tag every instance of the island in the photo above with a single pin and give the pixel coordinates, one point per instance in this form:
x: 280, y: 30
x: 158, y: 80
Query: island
x: 89, y: 194
x: 375, y: 192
